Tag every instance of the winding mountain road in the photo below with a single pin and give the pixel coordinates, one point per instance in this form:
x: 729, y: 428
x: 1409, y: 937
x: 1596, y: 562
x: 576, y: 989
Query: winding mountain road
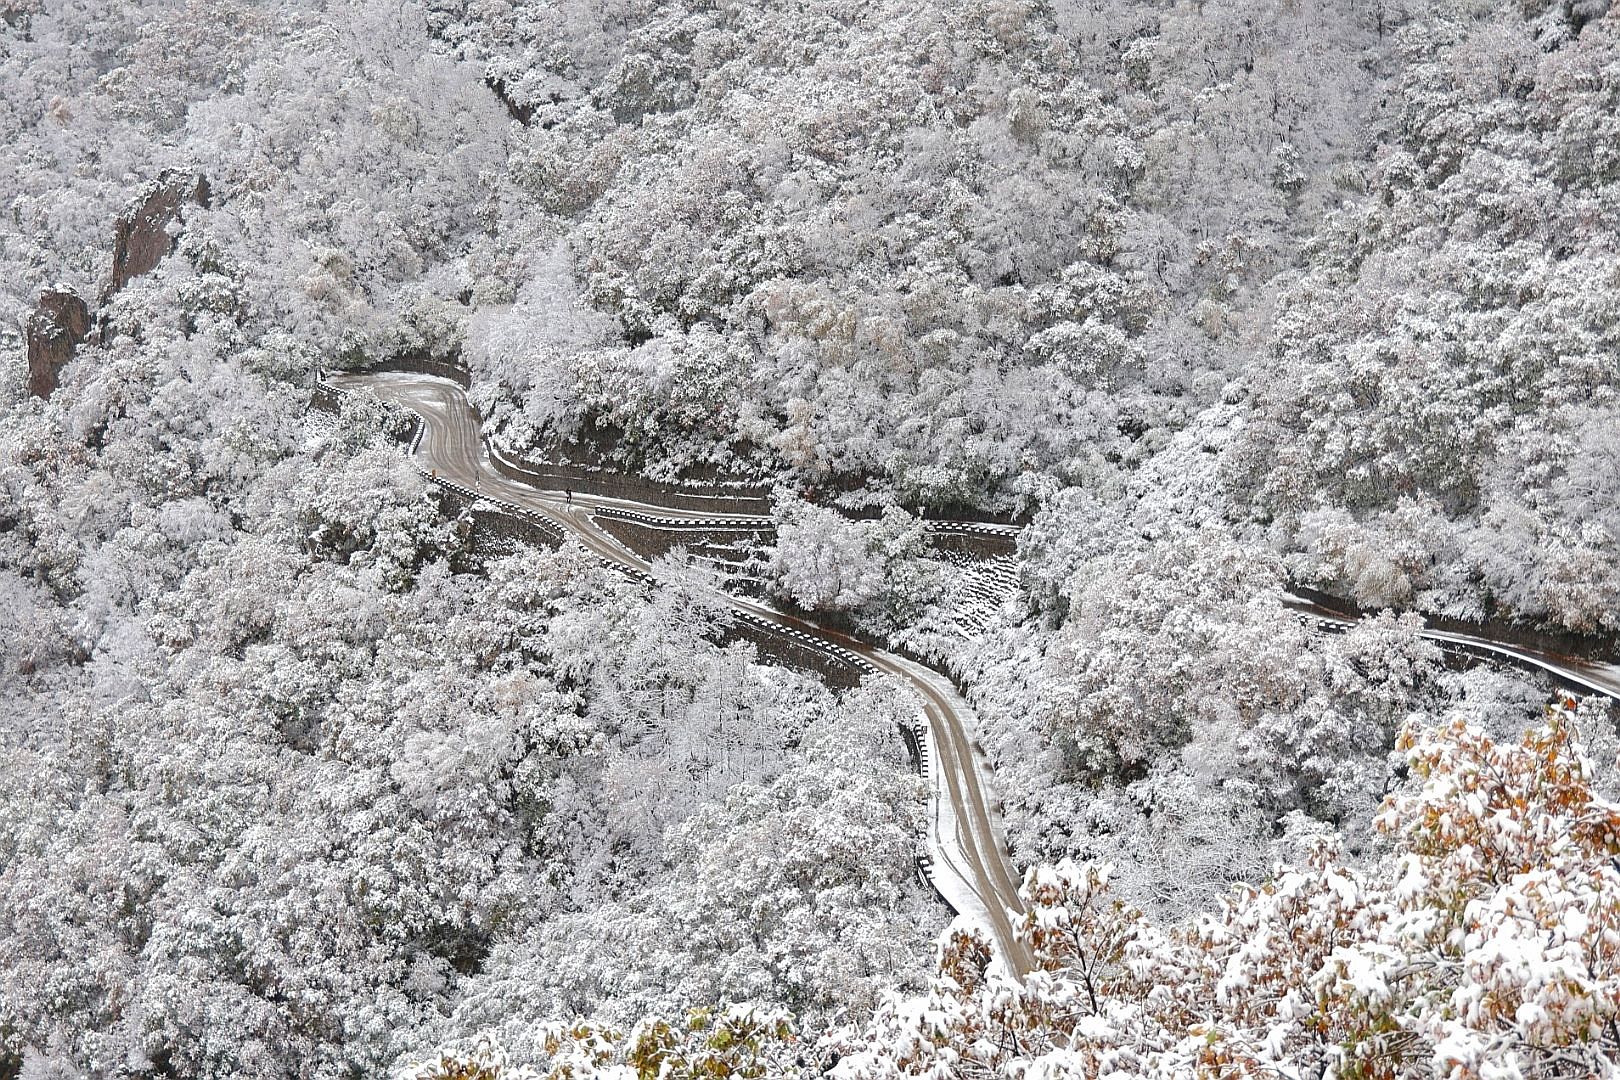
x: 1582, y: 676
x: 968, y: 857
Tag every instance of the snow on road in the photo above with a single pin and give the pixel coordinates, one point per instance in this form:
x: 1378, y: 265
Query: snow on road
x: 967, y: 851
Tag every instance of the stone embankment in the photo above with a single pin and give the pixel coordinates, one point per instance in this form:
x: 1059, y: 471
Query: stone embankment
x: 1597, y: 648
x: 718, y: 499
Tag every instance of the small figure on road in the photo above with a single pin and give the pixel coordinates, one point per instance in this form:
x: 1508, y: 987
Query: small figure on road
x: 568, y: 493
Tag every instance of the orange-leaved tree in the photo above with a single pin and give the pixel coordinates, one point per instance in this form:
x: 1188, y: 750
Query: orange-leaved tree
x: 1484, y: 945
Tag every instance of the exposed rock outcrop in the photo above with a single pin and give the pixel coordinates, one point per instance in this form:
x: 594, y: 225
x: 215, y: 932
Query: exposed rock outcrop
x: 523, y: 114
x: 55, y: 329
x: 141, y: 237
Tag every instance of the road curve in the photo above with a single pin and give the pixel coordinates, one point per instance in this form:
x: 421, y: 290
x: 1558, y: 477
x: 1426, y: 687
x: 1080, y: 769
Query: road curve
x: 1583, y: 676
x: 968, y: 854
x: 969, y: 864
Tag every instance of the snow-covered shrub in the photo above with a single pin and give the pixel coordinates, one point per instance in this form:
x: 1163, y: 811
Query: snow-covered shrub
x: 1487, y: 945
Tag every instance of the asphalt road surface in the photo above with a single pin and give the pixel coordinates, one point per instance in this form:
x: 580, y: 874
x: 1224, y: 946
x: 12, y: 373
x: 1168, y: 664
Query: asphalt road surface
x: 969, y: 864
x: 967, y: 850
x: 1582, y: 676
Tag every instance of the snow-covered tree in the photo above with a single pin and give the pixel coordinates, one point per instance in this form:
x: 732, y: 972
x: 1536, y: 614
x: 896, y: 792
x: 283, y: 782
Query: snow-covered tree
x: 1485, y: 947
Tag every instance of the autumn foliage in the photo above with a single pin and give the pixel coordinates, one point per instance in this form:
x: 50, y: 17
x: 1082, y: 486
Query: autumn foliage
x: 1484, y: 945
x: 727, y: 1044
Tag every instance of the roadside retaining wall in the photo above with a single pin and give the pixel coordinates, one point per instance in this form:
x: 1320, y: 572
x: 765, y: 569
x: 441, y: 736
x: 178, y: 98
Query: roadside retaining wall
x: 837, y: 667
x: 976, y: 543
x: 717, y: 498
x: 326, y: 398
x: 496, y: 524
x: 1603, y: 648
x: 426, y: 365
x: 713, y: 499
x: 651, y: 537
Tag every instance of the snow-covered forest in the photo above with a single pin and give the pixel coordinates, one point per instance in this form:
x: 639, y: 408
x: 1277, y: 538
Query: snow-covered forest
x: 1202, y: 308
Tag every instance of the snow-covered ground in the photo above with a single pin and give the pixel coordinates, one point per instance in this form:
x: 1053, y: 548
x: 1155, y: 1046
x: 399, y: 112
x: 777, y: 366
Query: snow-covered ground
x: 976, y: 592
